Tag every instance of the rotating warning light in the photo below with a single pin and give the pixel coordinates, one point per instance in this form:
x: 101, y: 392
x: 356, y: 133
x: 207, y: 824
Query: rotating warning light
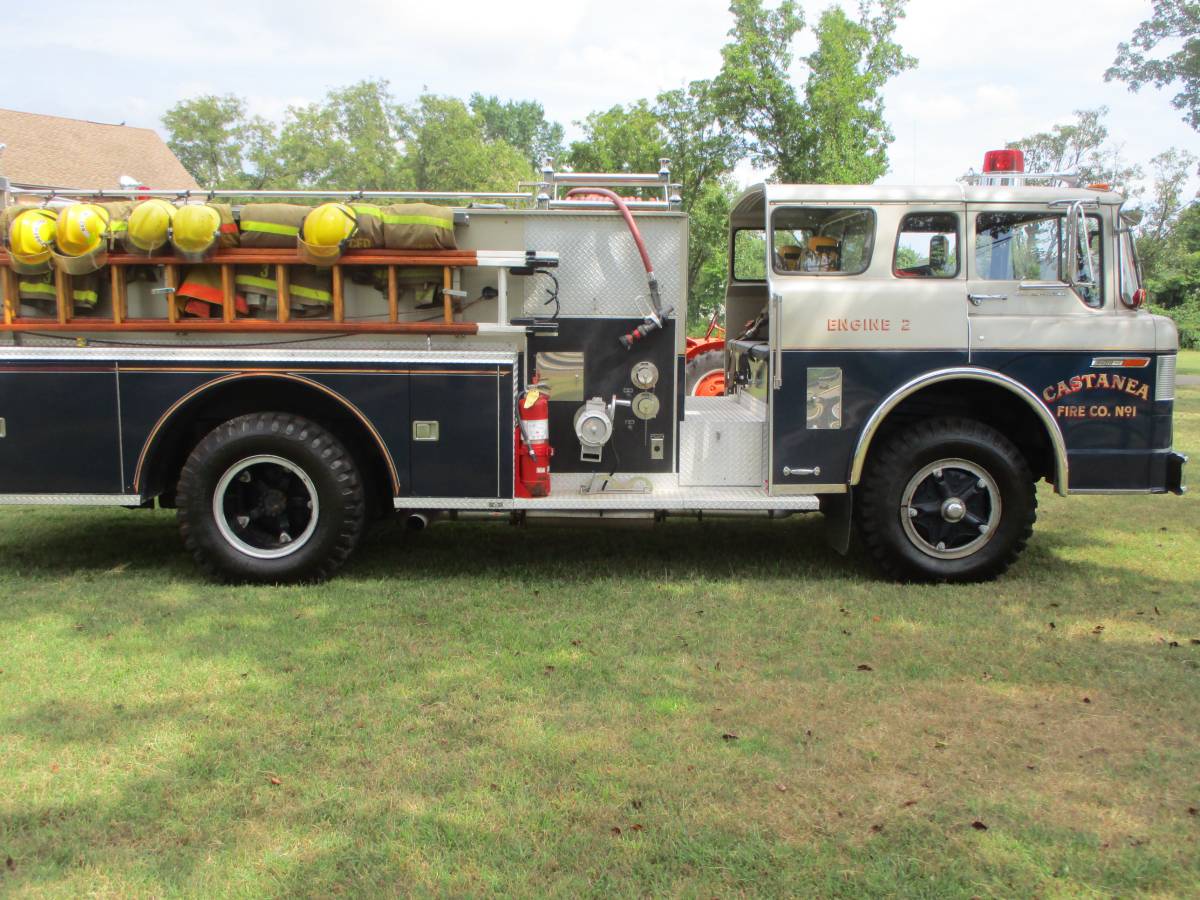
x: 1010, y: 160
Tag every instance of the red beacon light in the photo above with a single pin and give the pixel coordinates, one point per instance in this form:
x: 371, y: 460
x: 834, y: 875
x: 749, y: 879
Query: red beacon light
x: 996, y: 161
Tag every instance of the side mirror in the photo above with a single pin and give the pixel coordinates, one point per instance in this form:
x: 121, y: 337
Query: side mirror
x: 1132, y: 216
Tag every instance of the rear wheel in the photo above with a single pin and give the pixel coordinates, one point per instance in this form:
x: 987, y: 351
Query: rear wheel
x: 270, y: 497
x: 705, y: 374
x: 946, y: 500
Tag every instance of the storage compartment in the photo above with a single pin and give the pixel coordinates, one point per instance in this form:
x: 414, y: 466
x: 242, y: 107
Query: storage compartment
x: 722, y: 441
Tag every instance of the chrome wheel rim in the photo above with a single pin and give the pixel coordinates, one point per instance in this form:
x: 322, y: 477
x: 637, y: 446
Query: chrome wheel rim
x: 266, y: 506
x: 950, y: 508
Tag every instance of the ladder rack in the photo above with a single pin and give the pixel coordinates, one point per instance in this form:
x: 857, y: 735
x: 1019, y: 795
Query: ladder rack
x: 282, y: 260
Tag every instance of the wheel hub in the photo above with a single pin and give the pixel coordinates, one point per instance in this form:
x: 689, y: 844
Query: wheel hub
x: 266, y: 506
x: 950, y: 508
x: 953, y: 510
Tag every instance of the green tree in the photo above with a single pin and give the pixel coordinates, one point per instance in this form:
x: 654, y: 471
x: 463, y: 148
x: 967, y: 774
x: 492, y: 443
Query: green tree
x: 1169, y: 244
x: 1172, y: 168
x: 754, y: 88
x: 217, y: 142
x: 619, y: 139
x: 349, y: 140
x: 682, y: 125
x: 1081, y: 147
x: 833, y: 132
x: 447, y: 149
x: 1177, y: 23
x: 521, y: 124
x: 847, y: 133
x: 1174, y: 282
x: 708, y: 235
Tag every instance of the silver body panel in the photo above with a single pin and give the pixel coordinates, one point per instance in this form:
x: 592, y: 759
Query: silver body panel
x: 722, y: 442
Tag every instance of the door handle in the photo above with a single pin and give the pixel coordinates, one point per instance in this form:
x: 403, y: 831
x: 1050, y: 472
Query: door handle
x: 777, y: 331
x: 977, y: 299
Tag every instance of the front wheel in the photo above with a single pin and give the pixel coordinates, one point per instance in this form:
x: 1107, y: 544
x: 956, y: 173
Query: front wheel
x: 270, y: 497
x: 946, y: 500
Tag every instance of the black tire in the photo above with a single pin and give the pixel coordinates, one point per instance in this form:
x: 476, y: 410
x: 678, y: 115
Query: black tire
x: 701, y: 365
x: 277, y: 473
x: 946, y: 500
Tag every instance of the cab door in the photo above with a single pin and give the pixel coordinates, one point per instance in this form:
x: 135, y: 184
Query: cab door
x: 1018, y: 298
x: 864, y: 297
x: 1064, y: 337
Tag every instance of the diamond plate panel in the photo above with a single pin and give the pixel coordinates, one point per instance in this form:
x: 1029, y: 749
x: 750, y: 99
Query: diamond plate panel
x: 600, y: 272
x: 721, y: 443
x: 666, y: 494
x: 70, y: 499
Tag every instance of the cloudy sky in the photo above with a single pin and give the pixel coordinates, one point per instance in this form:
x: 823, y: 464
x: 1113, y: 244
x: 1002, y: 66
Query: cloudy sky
x: 985, y: 77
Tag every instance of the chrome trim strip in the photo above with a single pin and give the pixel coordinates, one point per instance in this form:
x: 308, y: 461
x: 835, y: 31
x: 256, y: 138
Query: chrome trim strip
x: 70, y: 499
x: 1058, y: 445
x: 1120, y: 362
x: 1164, y: 378
x: 234, y: 354
x: 784, y: 490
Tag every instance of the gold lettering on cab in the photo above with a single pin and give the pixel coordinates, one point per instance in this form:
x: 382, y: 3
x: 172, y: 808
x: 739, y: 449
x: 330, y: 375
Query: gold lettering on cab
x: 1096, y: 381
x: 877, y: 325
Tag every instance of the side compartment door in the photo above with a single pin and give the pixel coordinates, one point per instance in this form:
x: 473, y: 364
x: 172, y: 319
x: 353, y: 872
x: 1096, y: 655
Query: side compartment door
x: 60, y: 430
x: 461, y: 436
x: 863, y: 298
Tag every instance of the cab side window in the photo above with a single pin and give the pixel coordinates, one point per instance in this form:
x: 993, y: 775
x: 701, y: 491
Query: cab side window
x: 822, y: 241
x: 927, y: 246
x: 750, y: 254
x: 1029, y: 246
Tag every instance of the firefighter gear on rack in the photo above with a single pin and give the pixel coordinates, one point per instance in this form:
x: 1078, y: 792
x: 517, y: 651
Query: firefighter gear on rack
x: 418, y: 226
x: 31, y: 236
x: 81, y: 239
x: 149, y: 226
x: 39, y: 291
x: 310, y: 290
x: 272, y: 225
x: 201, y: 292
x: 326, y: 233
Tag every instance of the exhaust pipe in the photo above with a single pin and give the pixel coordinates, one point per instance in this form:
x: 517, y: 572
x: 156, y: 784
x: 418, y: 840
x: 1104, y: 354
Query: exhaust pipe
x: 419, y: 521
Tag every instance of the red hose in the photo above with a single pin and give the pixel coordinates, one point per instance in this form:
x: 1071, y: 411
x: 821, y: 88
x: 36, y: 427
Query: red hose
x: 619, y: 203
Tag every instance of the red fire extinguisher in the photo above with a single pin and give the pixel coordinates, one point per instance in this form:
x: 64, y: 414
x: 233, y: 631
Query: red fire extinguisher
x: 533, y: 443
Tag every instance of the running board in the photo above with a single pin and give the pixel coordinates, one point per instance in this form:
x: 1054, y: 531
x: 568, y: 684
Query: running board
x: 665, y: 495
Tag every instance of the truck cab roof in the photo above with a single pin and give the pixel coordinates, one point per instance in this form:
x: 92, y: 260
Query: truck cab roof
x: 747, y: 210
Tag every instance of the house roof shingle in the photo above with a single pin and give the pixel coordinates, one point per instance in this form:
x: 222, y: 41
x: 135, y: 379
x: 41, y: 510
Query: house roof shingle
x: 51, y: 151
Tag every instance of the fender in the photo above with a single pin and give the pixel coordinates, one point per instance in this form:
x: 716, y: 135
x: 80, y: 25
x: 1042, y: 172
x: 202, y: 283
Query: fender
x: 1057, y: 444
x: 225, y: 379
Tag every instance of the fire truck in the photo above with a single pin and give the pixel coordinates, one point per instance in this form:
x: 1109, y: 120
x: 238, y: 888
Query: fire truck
x: 908, y: 361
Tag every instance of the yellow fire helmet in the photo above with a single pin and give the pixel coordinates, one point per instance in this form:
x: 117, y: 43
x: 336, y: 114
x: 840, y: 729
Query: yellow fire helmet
x: 194, y: 230
x: 149, y: 226
x: 81, y: 240
x: 30, y: 238
x: 326, y: 232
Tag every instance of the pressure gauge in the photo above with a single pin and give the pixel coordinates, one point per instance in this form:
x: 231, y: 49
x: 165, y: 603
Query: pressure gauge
x: 646, y: 405
x: 645, y: 375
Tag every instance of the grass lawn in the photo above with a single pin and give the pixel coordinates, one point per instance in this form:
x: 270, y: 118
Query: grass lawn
x: 1188, y: 362
x: 714, y: 709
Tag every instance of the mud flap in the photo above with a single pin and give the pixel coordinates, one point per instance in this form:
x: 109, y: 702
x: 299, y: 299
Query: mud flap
x: 837, y: 510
